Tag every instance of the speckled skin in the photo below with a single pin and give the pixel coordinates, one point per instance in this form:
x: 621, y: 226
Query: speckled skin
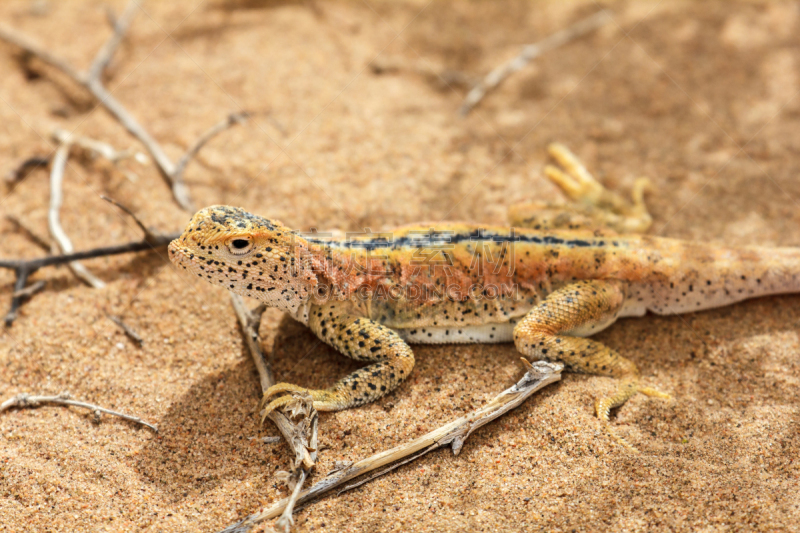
x: 367, y: 295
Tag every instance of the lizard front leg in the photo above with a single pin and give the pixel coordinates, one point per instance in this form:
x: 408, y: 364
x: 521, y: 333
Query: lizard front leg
x: 363, y: 340
x: 553, y: 330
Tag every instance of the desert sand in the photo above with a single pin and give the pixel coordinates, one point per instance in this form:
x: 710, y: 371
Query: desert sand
x: 356, y: 125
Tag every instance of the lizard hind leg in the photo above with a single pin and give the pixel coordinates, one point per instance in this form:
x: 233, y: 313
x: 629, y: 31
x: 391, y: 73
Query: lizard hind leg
x: 549, y: 331
x: 593, y: 206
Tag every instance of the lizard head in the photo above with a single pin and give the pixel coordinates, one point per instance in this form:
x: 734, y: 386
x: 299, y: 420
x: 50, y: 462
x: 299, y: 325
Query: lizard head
x: 246, y: 254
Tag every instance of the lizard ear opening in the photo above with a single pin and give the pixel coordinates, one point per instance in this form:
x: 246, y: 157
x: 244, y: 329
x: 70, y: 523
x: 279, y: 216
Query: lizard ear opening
x: 240, y: 246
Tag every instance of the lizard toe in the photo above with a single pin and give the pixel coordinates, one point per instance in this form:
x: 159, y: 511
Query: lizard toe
x: 275, y: 404
x: 654, y: 393
x: 279, y: 388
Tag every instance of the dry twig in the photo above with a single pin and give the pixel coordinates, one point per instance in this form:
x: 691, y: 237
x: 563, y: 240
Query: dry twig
x: 249, y: 322
x: 527, y: 54
x: 148, y: 235
x: 302, y: 437
x: 25, y: 401
x: 100, y: 148
x: 213, y: 131
x: 30, y: 290
x: 125, y: 329
x: 23, y: 268
x: 32, y: 235
x: 454, y: 434
x: 22, y: 170
x: 91, y: 81
x: 54, y: 222
x: 57, y: 170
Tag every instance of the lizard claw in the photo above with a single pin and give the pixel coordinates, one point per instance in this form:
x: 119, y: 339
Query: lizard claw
x: 654, y: 393
x: 268, y: 406
x: 275, y: 404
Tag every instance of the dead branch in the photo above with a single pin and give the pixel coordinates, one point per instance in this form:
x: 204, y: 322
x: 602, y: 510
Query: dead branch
x: 17, y: 296
x: 538, y: 375
x: 527, y: 54
x: 30, y: 290
x: 302, y: 436
x: 24, y: 168
x: 135, y: 337
x: 437, y: 75
x: 27, y: 401
x: 388, y: 469
x: 148, y: 234
x: 249, y: 322
x: 98, y: 147
x: 216, y: 129
x: 120, y: 25
x: 32, y: 235
x: 92, y: 82
x: 32, y: 265
x: 286, y: 521
x: 23, y: 268
x: 53, y: 218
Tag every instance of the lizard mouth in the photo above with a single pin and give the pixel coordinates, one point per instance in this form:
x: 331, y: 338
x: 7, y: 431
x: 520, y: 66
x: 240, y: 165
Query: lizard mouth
x: 179, y: 255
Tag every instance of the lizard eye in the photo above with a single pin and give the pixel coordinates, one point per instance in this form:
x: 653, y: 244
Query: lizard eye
x: 240, y: 246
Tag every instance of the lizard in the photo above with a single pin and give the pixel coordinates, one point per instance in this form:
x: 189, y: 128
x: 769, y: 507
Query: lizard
x: 556, y: 275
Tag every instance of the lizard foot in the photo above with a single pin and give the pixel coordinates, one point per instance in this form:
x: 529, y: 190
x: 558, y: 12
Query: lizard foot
x: 268, y: 406
x: 323, y: 400
x: 607, y: 207
x: 603, y: 407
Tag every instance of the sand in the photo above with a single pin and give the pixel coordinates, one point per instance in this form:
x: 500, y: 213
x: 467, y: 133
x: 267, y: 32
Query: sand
x: 702, y: 98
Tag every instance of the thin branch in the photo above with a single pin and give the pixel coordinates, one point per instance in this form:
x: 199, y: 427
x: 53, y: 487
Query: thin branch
x: 16, y: 297
x: 26, y: 401
x: 126, y: 329
x: 453, y: 434
x: 25, y: 267
x: 22, y: 228
x: 137, y: 246
x: 148, y: 235
x: 179, y: 190
x: 249, y: 322
x: 106, y: 52
x: 527, y: 54
x: 216, y: 129
x: 92, y: 82
x: 98, y: 147
x: 21, y: 41
x: 24, y: 168
x: 434, y: 446
x: 30, y: 290
x: 53, y: 222
x: 286, y: 521
x: 302, y: 437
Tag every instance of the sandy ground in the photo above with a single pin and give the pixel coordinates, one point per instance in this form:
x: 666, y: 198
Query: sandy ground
x: 703, y: 98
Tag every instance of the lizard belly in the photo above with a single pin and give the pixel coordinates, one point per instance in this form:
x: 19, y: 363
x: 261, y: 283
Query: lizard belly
x: 481, y: 333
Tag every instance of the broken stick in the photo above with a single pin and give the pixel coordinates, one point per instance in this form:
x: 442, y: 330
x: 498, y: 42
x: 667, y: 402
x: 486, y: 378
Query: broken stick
x: 91, y: 81
x: 527, y: 54
x: 24, y: 401
x: 23, y: 268
x: 539, y: 375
